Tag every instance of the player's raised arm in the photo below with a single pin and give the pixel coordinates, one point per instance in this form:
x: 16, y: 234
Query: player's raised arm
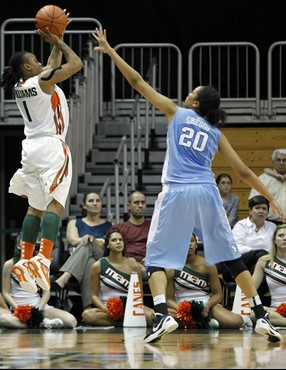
x: 161, y: 102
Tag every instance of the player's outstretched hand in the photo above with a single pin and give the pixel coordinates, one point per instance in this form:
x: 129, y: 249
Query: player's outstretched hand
x: 100, y: 37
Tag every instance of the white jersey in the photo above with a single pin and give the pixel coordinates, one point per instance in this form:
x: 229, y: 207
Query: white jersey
x: 46, y: 171
x: 276, y: 280
x: 43, y: 114
x: 191, y: 285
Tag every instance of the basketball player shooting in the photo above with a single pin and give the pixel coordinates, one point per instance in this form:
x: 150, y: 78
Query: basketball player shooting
x: 45, y: 176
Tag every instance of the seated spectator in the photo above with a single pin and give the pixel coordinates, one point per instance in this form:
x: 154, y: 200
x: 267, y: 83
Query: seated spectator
x: 136, y: 229
x: 273, y: 267
x: 86, y: 234
x: 274, y: 180
x: 15, y: 296
x: 230, y: 200
x: 253, y: 236
x: 104, y: 286
x: 200, y: 282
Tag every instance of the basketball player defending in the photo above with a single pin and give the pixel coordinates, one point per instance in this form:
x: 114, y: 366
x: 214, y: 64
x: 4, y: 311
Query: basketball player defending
x: 45, y: 176
x: 190, y: 200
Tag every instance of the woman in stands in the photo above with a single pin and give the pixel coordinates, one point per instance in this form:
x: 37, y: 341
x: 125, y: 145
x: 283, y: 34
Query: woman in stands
x: 86, y: 235
x: 104, y: 284
x: 273, y: 267
x: 230, y: 200
x: 199, y: 282
x: 15, y: 296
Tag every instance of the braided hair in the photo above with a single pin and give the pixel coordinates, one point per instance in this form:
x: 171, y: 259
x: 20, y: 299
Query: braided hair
x: 209, y: 100
x: 13, y: 72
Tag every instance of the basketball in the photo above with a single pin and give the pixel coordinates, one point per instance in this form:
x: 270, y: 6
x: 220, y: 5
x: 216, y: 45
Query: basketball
x: 53, y: 17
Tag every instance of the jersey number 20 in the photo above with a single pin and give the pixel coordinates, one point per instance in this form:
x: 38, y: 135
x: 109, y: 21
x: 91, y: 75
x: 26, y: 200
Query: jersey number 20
x: 196, y: 140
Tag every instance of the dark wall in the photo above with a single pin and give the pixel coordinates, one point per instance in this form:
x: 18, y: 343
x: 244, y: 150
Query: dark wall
x: 182, y: 22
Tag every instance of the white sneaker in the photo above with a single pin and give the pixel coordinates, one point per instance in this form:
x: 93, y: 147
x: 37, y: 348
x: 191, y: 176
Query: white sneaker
x: 166, y: 325
x: 213, y: 324
x: 265, y: 328
x: 247, y: 322
x: 40, y: 267
x: 52, y: 323
x: 25, y: 276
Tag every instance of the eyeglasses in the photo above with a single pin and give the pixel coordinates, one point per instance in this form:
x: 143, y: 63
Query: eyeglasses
x: 280, y: 160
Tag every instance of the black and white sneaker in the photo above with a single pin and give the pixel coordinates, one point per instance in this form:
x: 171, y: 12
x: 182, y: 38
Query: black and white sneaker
x: 265, y: 328
x: 166, y: 325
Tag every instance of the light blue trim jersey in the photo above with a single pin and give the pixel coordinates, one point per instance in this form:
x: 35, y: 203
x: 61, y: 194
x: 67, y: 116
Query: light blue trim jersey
x: 192, y: 143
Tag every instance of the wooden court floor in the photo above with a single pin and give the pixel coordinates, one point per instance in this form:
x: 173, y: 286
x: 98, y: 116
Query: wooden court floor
x: 123, y: 348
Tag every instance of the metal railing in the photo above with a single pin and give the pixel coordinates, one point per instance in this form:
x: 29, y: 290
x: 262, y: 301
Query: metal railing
x: 139, y: 56
x: 123, y: 188
x: 18, y: 34
x: 276, y: 89
x: 106, y: 192
x: 231, y: 67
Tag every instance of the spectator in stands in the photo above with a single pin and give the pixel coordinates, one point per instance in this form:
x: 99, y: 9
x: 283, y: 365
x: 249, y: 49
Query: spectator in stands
x: 136, y: 229
x: 253, y: 236
x: 105, y: 286
x: 15, y: 296
x: 86, y: 234
x: 275, y: 181
x: 200, y: 282
x: 230, y: 200
x: 273, y: 268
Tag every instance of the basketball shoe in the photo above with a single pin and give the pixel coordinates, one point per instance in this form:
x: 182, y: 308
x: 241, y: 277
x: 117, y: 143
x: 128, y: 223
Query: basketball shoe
x: 40, y: 267
x: 52, y: 323
x: 265, y: 328
x: 166, y: 325
x: 25, y: 276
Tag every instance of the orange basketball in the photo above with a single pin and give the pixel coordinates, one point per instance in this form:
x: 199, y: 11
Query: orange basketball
x: 53, y: 17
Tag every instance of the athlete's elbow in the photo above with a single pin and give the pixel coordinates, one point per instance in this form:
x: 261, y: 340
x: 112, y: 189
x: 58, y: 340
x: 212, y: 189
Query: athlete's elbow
x: 78, y: 65
x: 135, y: 81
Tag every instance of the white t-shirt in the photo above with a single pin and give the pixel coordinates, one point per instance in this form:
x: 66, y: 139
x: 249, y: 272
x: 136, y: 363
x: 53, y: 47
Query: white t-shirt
x: 247, y: 238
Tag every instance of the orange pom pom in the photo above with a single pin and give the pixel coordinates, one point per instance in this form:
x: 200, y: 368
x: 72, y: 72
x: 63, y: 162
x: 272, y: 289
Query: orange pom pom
x: 281, y: 309
x: 115, y: 308
x: 24, y: 313
x: 184, y: 314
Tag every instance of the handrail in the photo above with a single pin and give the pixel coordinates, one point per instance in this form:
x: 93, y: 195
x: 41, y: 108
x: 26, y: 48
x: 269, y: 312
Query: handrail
x: 229, y: 44
x: 122, y: 148
x: 269, y: 75
x: 136, y: 109
x: 106, y: 190
x: 69, y: 34
x: 151, y: 46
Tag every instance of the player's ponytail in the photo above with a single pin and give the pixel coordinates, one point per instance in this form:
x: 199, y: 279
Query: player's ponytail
x: 209, y: 100
x: 13, y: 72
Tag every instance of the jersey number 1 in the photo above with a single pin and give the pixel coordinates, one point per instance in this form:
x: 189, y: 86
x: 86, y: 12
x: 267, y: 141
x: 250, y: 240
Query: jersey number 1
x: 27, y: 111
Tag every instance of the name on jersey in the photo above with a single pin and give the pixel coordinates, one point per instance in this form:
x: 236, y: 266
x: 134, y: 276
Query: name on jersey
x: 197, y: 122
x: 117, y: 277
x: 26, y: 93
x: 193, y: 279
x: 279, y: 268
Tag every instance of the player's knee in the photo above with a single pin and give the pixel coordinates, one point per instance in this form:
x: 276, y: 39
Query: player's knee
x: 151, y: 269
x: 236, y: 266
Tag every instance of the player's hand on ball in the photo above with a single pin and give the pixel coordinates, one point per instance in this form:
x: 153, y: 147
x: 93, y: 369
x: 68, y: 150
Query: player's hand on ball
x: 47, y: 35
